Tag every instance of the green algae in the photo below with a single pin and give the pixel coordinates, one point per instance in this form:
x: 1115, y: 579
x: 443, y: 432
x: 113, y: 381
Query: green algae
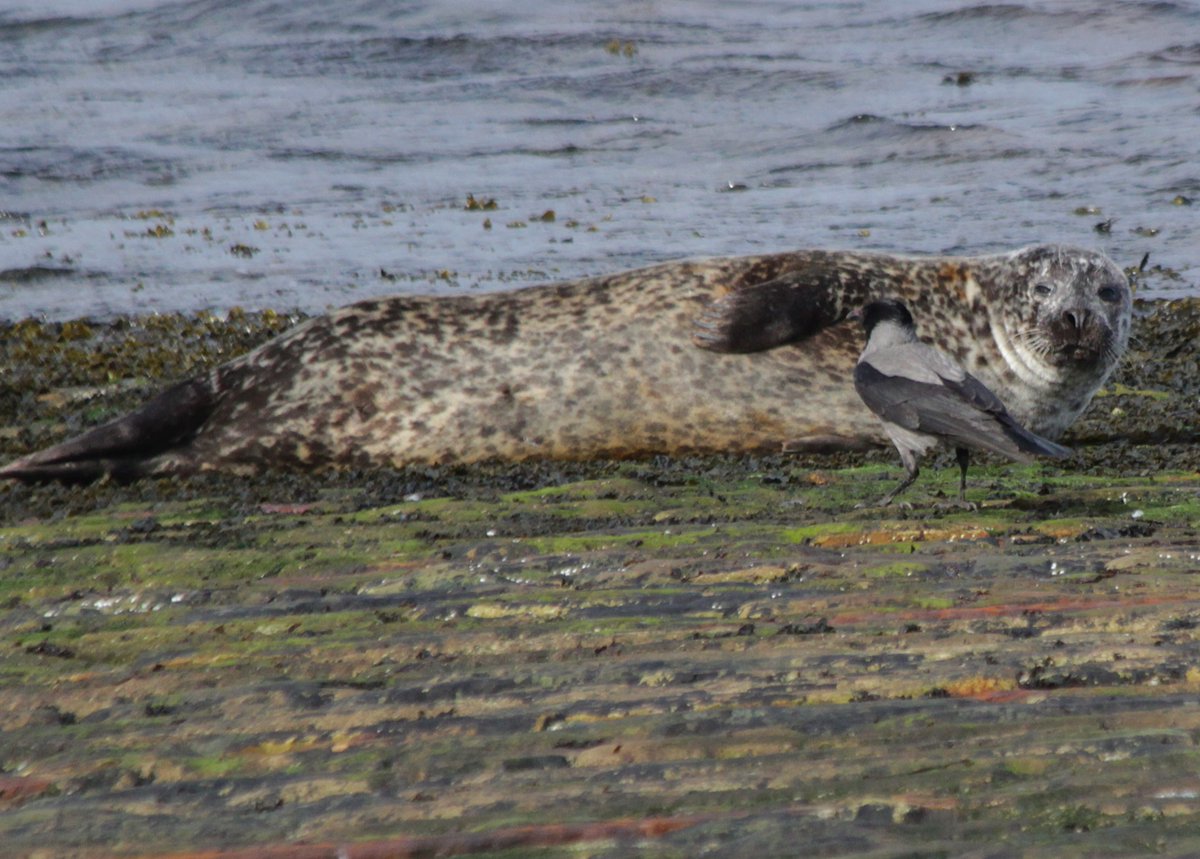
x: 1119, y: 390
x: 898, y: 568
x: 660, y: 538
x: 213, y: 767
x: 808, y: 533
x: 934, y: 602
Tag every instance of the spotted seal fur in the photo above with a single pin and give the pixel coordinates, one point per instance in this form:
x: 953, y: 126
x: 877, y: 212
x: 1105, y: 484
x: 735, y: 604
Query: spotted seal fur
x: 730, y: 354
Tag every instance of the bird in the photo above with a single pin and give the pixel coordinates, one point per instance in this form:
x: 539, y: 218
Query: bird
x: 925, y: 398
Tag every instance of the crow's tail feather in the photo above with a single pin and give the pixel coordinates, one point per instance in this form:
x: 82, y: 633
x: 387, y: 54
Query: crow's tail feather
x: 1030, y: 442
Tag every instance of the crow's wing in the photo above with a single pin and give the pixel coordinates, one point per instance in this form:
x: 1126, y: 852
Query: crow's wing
x: 962, y: 412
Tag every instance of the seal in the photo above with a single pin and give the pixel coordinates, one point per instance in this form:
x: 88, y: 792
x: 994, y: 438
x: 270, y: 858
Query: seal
x: 734, y: 354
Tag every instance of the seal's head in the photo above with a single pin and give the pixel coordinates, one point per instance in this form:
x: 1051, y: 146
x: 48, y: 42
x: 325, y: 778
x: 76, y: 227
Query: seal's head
x: 1068, y: 315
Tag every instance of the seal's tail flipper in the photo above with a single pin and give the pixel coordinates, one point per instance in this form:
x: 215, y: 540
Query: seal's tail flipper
x: 123, y: 448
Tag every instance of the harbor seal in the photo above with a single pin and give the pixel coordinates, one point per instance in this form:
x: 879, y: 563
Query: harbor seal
x: 730, y: 354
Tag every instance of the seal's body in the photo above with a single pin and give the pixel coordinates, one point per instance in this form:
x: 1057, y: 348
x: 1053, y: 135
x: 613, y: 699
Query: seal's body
x: 732, y: 354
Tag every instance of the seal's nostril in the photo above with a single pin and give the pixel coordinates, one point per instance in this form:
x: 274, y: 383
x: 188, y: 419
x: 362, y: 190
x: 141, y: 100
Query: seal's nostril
x: 1075, y: 318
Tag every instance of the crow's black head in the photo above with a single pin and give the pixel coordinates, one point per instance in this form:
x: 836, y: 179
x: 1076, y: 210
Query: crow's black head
x: 886, y: 310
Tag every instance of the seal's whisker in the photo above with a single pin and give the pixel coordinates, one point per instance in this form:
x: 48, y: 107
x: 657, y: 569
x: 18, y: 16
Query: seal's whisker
x: 1034, y: 340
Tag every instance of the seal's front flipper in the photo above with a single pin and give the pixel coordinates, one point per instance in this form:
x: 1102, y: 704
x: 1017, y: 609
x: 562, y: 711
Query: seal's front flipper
x: 787, y: 309
x: 123, y: 447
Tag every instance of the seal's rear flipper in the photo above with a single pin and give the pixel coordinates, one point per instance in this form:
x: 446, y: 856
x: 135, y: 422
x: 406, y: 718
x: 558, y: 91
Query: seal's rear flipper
x: 123, y: 448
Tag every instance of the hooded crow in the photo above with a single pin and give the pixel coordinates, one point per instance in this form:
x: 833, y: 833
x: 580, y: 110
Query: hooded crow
x: 924, y: 398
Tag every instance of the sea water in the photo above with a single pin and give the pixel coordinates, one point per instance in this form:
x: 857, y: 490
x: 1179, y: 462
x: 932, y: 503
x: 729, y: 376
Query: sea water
x: 205, y: 154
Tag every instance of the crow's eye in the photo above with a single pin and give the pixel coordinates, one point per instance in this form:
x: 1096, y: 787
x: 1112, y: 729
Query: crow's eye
x: 1110, y: 294
x: 1043, y: 289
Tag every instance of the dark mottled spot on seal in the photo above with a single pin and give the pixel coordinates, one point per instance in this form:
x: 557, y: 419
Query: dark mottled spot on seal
x: 364, y: 400
x: 503, y: 322
x: 952, y: 277
x: 760, y: 272
x: 430, y: 327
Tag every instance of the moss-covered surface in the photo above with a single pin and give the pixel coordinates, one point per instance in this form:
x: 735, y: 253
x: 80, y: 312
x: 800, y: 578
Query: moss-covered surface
x: 720, y: 656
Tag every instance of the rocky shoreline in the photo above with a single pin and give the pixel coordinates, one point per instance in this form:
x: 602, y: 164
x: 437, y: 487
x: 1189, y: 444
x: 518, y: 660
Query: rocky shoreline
x: 686, y: 656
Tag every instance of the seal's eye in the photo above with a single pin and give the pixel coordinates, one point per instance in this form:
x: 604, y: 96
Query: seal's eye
x: 1043, y: 289
x: 1110, y: 294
